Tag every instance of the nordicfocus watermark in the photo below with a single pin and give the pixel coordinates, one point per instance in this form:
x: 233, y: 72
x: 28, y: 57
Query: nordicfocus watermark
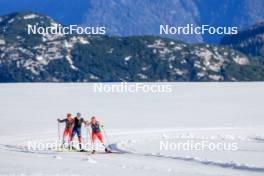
x: 191, y: 29
x: 56, y: 145
x: 64, y: 30
x: 125, y: 87
x: 191, y: 145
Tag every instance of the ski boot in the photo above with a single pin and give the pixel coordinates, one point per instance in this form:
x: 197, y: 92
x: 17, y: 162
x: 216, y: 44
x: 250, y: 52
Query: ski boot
x: 81, y: 149
x: 107, y: 150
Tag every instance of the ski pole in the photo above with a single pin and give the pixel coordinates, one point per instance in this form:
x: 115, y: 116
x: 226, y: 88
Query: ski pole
x: 107, y: 139
x: 59, y: 132
x: 89, y: 136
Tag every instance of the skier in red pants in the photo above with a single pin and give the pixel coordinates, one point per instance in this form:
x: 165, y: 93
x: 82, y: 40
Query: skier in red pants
x: 96, y: 133
x: 68, y: 127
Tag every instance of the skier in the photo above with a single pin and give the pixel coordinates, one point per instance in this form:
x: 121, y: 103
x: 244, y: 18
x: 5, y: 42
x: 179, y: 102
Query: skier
x: 68, y: 127
x: 96, y: 133
x: 77, y: 128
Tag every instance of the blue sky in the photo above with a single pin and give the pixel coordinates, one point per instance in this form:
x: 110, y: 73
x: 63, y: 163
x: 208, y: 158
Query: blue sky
x: 65, y: 11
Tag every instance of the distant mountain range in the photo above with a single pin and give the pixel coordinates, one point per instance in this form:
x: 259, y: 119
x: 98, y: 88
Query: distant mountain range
x: 92, y: 58
x: 143, y: 17
x: 250, y: 41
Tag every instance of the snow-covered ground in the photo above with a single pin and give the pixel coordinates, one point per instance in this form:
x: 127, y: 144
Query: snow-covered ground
x: 136, y: 124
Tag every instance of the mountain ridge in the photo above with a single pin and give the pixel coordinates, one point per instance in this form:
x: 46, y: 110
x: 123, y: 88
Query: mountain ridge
x: 249, y: 41
x: 137, y: 17
x: 99, y: 58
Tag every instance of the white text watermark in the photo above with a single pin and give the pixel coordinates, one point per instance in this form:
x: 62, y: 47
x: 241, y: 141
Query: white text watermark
x: 125, y: 87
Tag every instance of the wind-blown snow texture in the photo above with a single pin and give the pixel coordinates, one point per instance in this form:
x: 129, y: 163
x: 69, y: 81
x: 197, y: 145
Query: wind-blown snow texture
x: 135, y: 123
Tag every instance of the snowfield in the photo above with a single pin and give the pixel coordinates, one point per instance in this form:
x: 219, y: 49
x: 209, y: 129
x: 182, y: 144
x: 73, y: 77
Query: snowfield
x: 136, y: 125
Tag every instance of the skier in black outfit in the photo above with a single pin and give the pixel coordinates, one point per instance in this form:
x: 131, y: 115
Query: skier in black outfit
x: 77, y: 128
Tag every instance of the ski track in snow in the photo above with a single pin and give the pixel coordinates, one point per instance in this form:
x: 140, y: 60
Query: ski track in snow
x: 119, y: 147
x: 232, y: 165
x: 259, y: 138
